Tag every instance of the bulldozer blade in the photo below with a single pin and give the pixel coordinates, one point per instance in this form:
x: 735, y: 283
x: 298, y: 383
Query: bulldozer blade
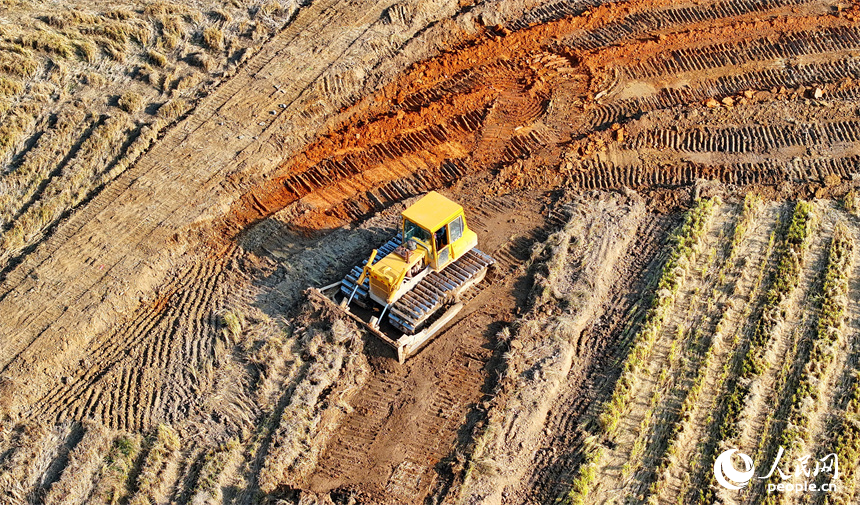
x: 406, y: 345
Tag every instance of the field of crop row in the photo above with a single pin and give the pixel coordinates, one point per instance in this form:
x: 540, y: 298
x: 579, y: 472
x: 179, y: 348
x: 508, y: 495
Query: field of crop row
x: 746, y: 343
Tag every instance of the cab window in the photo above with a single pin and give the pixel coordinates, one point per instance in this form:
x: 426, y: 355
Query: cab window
x: 455, y: 229
x: 412, y: 230
x: 441, y: 238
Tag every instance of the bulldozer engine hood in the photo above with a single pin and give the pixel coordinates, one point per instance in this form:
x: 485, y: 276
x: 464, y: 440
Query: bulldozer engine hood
x: 387, y: 274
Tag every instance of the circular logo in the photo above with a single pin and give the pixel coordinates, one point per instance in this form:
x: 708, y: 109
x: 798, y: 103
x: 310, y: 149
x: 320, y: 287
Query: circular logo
x: 725, y: 472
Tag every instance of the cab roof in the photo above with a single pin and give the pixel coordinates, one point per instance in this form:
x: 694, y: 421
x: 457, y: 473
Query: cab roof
x: 432, y: 211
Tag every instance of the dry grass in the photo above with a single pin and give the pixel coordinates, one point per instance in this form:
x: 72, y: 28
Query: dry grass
x: 49, y: 43
x: 156, y: 58
x: 703, y: 354
x: 111, y: 481
x: 335, y: 367
x: 77, y: 181
x: 18, y: 65
x: 749, y: 362
x: 206, y: 489
x: 76, y: 482
x: 171, y: 110
x: 186, y: 82
x: 202, y: 61
x: 62, y: 61
x: 851, y: 203
x: 87, y: 51
x: 10, y: 86
x: 213, y: 38
x: 221, y: 15
x: 824, y: 347
x: 130, y: 102
x: 32, y: 454
x: 232, y: 322
x: 15, y: 468
x: 150, y: 480
x: 15, y: 124
x: 164, y: 8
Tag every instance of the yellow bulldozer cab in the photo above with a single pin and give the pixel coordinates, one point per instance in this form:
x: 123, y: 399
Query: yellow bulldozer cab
x: 438, y: 228
x: 432, y: 212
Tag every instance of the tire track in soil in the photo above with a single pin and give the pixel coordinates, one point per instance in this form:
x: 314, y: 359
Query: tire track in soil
x: 491, y: 88
x: 126, y: 259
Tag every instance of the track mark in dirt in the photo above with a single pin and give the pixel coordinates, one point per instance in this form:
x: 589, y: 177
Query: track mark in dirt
x: 153, y: 368
x: 88, y: 273
x: 489, y: 106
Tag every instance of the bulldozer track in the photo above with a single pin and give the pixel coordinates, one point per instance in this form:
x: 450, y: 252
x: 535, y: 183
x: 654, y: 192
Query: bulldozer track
x: 641, y: 23
x: 805, y: 74
x: 459, y: 384
x: 168, y: 340
x: 607, y: 175
x: 380, y: 196
x: 494, y: 91
x: 552, y: 12
x: 429, y: 295
x: 108, y: 266
x: 834, y: 39
x: 749, y: 139
x: 460, y: 381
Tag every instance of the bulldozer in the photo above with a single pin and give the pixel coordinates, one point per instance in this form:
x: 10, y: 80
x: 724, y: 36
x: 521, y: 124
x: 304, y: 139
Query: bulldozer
x: 400, y: 291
